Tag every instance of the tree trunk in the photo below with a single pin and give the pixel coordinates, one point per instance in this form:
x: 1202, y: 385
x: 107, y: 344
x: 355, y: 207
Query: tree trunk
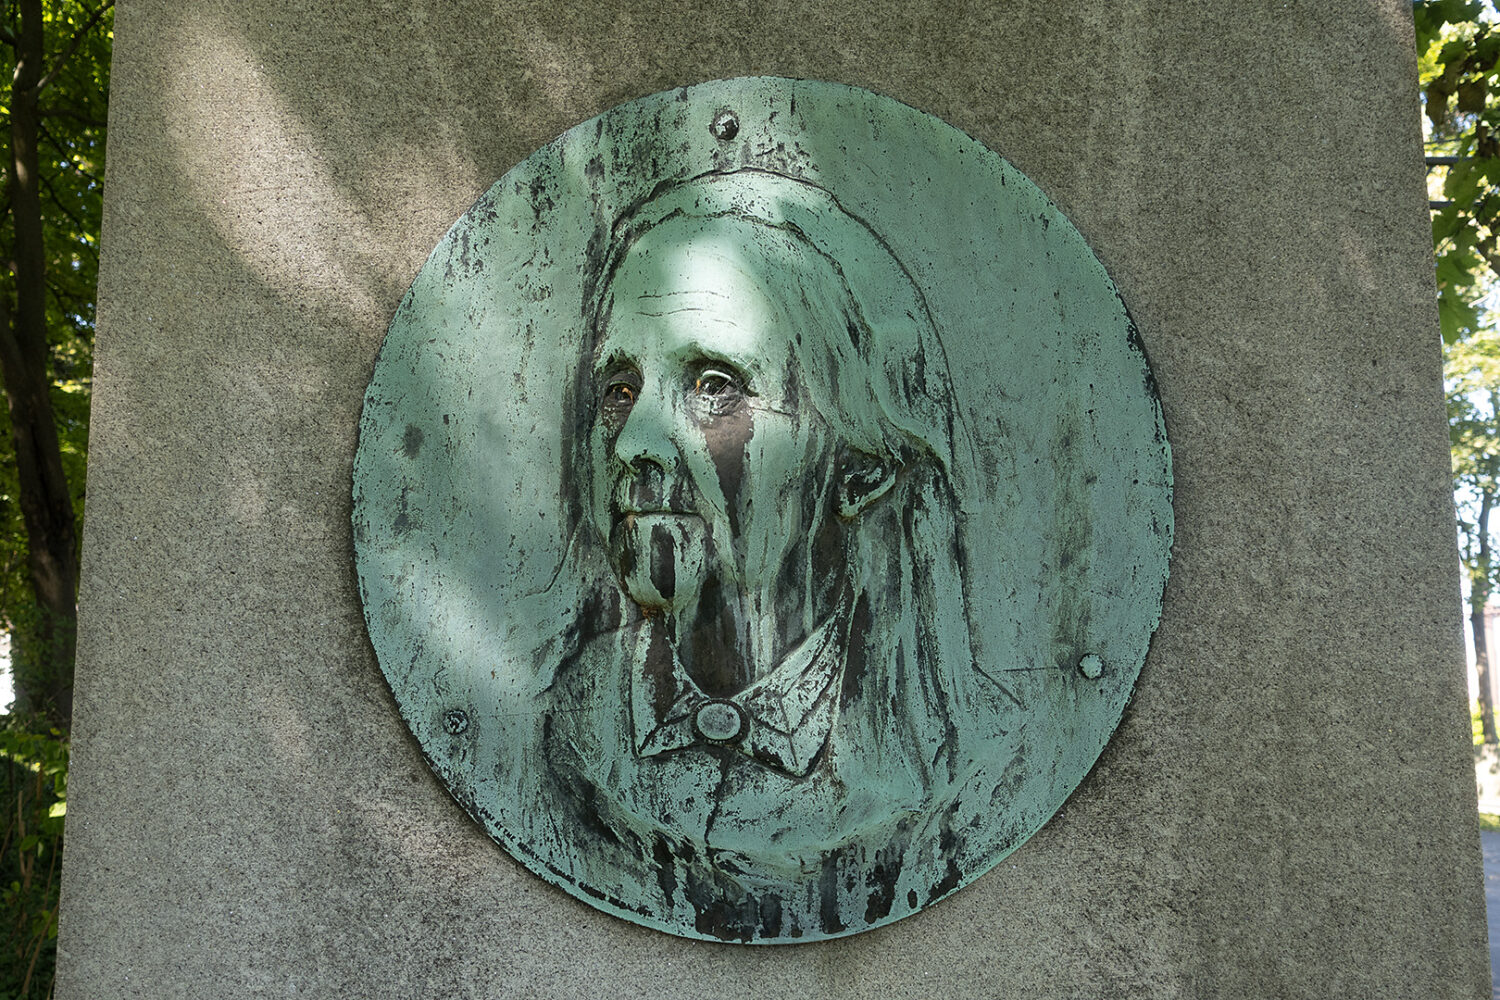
x: 44, y: 659
x: 1479, y: 597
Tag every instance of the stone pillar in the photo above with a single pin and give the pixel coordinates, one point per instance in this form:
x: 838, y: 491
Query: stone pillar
x: 1288, y: 806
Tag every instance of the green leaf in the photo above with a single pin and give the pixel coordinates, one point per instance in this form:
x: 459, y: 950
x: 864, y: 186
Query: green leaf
x: 1471, y: 96
x: 1462, y: 183
x: 1456, y: 317
x: 1454, y: 270
x: 1454, y: 52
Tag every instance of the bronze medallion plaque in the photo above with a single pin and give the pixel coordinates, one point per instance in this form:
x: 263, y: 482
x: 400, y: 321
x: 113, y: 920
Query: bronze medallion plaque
x: 762, y: 510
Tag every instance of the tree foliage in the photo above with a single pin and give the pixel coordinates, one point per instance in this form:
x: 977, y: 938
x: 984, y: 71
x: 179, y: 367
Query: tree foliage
x: 1458, y: 44
x: 56, y: 55
x: 33, y: 788
x: 1472, y: 370
x: 1458, y: 47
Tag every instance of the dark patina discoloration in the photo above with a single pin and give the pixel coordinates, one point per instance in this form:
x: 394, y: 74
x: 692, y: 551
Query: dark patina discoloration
x: 831, y: 572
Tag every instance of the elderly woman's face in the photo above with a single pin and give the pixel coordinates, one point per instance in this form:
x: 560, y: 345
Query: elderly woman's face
x: 707, y: 459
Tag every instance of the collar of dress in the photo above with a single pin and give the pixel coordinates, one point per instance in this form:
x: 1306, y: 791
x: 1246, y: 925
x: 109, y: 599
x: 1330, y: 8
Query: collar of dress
x: 782, y: 720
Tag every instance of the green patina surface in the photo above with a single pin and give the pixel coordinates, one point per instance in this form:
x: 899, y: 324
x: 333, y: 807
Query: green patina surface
x: 762, y: 510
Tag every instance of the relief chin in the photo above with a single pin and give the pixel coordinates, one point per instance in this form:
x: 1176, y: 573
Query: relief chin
x: 660, y: 559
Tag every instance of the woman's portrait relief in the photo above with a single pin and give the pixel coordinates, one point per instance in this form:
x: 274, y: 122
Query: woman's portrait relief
x: 762, y: 510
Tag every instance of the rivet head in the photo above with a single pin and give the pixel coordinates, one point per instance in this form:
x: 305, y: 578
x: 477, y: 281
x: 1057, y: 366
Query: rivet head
x: 455, y: 721
x: 1092, y: 666
x: 725, y: 126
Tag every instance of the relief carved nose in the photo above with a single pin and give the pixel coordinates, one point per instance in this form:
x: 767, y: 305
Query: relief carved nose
x: 647, y: 438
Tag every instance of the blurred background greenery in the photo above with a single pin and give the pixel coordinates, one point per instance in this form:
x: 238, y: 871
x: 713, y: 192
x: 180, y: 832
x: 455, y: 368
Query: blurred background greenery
x: 56, y: 55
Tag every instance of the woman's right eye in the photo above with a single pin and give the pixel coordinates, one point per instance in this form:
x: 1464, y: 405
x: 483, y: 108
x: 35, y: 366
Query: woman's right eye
x: 619, y: 394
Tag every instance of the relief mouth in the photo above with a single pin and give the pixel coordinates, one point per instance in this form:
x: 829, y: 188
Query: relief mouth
x: 650, y: 493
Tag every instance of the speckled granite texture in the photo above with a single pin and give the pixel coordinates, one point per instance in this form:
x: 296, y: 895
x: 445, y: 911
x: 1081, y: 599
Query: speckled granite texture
x: 1288, y: 807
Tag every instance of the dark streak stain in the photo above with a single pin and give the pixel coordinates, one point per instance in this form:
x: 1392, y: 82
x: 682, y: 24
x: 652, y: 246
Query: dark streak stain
x: 402, y: 523
x: 712, y: 638
x: 728, y: 440
x: 882, y: 884
x: 541, y: 201
x: 947, y: 884
x: 770, y: 916
x: 828, y: 895
x: 411, y: 441
x: 663, y: 562
x: 855, y: 663
x: 666, y: 875
x: 658, y: 667
x: 586, y: 797
x: 723, y: 909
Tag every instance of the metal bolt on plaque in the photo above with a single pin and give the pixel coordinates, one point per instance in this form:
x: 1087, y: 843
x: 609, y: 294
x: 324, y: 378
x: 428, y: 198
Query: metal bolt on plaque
x: 762, y: 510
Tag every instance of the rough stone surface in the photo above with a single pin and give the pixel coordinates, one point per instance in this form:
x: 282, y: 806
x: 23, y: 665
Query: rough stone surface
x: 1288, y: 807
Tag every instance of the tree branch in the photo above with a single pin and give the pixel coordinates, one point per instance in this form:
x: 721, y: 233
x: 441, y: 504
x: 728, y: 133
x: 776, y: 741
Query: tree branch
x: 77, y: 40
x: 70, y: 113
x: 77, y: 323
x: 57, y: 200
x: 67, y: 155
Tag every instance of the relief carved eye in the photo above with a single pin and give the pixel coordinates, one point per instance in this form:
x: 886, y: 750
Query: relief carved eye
x: 619, y: 393
x: 719, y: 389
x: 715, y: 382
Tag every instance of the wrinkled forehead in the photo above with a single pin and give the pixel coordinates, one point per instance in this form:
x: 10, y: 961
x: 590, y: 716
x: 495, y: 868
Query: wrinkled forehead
x: 735, y: 283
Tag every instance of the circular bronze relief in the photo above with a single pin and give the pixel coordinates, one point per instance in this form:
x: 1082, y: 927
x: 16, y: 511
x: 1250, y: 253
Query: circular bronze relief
x: 767, y: 477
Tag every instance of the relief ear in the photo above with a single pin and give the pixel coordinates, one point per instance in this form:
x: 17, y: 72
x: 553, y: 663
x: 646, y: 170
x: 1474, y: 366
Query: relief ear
x: 863, y: 479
